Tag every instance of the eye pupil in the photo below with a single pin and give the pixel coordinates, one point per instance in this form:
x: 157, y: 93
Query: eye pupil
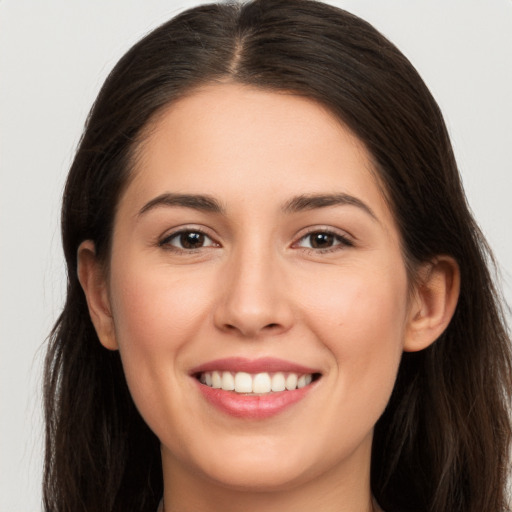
x: 321, y: 240
x: 192, y: 240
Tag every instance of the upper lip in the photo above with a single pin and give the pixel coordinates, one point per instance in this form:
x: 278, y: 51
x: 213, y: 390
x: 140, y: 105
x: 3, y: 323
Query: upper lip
x: 260, y: 365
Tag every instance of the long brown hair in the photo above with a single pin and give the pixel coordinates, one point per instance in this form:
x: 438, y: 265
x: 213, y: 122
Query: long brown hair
x: 443, y: 442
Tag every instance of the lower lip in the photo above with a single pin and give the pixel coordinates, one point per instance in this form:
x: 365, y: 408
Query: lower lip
x: 253, y: 406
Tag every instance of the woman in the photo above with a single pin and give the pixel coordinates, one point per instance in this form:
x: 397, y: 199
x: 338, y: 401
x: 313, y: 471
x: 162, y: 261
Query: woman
x: 277, y: 297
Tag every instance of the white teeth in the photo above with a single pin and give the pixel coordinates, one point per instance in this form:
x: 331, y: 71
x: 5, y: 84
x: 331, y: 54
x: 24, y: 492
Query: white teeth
x: 304, y: 380
x: 243, y: 382
x: 228, y: 381
x: 260, y: 383
x: 278, y: 382
x: 291, y: 381
x: 216, y: 380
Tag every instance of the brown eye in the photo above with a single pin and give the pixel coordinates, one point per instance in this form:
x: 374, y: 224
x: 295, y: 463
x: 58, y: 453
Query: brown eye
x: 191, y: 240
x: 324, y: 240
x: 321, y: 240
x: 187, y: 240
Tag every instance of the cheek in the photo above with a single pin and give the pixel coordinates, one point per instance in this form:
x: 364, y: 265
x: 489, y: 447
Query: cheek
x: 156, y: 315
x: 360, y: 316
x: 357, y: 302
x: 155, y: 309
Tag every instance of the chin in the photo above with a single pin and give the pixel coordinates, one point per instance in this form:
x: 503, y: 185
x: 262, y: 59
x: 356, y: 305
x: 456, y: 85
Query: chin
x: 262, y: 464
x: 255, y: 476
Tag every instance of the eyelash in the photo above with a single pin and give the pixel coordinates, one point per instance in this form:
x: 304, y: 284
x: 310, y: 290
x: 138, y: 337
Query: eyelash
x: 340, y: 241
x: 165, y: 243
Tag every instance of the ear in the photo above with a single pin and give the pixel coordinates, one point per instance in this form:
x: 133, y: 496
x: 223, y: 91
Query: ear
x: 92, y: 277
x: 433, y: 304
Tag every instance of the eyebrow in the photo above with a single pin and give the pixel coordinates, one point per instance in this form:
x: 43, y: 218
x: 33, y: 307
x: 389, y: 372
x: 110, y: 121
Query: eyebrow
x: 299, y: 203
x: 314, y: 201
x: 195, y: 201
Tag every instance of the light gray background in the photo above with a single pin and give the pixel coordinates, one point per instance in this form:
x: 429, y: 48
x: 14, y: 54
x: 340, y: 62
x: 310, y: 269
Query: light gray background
x: 54, y: 56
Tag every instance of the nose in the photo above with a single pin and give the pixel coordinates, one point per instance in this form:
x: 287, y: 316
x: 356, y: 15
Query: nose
x: 254, y: 299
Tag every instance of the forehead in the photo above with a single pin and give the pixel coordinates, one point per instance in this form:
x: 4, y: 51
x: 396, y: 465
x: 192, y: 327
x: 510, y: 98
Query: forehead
x: 240, y: 143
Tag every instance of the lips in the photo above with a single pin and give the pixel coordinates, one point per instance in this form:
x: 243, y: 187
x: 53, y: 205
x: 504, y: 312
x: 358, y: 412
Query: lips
x: 263, y: 364
x: 254, y: 389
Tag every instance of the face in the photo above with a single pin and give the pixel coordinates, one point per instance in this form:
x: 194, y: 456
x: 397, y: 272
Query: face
x: 253, y: 249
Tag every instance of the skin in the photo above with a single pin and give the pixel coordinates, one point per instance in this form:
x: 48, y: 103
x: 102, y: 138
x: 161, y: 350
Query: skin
x: 258, y: 287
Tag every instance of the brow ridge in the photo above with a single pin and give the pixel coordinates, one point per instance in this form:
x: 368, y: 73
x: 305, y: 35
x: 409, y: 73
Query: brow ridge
x: 298, y: 203
x: 195, y: 201
x: 312, y: 201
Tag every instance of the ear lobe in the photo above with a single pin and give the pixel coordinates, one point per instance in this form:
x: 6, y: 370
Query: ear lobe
x: 435, y: 299
x: 92, y: 278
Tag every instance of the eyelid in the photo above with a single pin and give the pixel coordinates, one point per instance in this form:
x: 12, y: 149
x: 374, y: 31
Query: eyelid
x: 342, y: 236
x: 163, y: 241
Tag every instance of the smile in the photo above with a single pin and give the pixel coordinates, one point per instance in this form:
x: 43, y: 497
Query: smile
x: 254, y: 389
x: 260, y: 383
